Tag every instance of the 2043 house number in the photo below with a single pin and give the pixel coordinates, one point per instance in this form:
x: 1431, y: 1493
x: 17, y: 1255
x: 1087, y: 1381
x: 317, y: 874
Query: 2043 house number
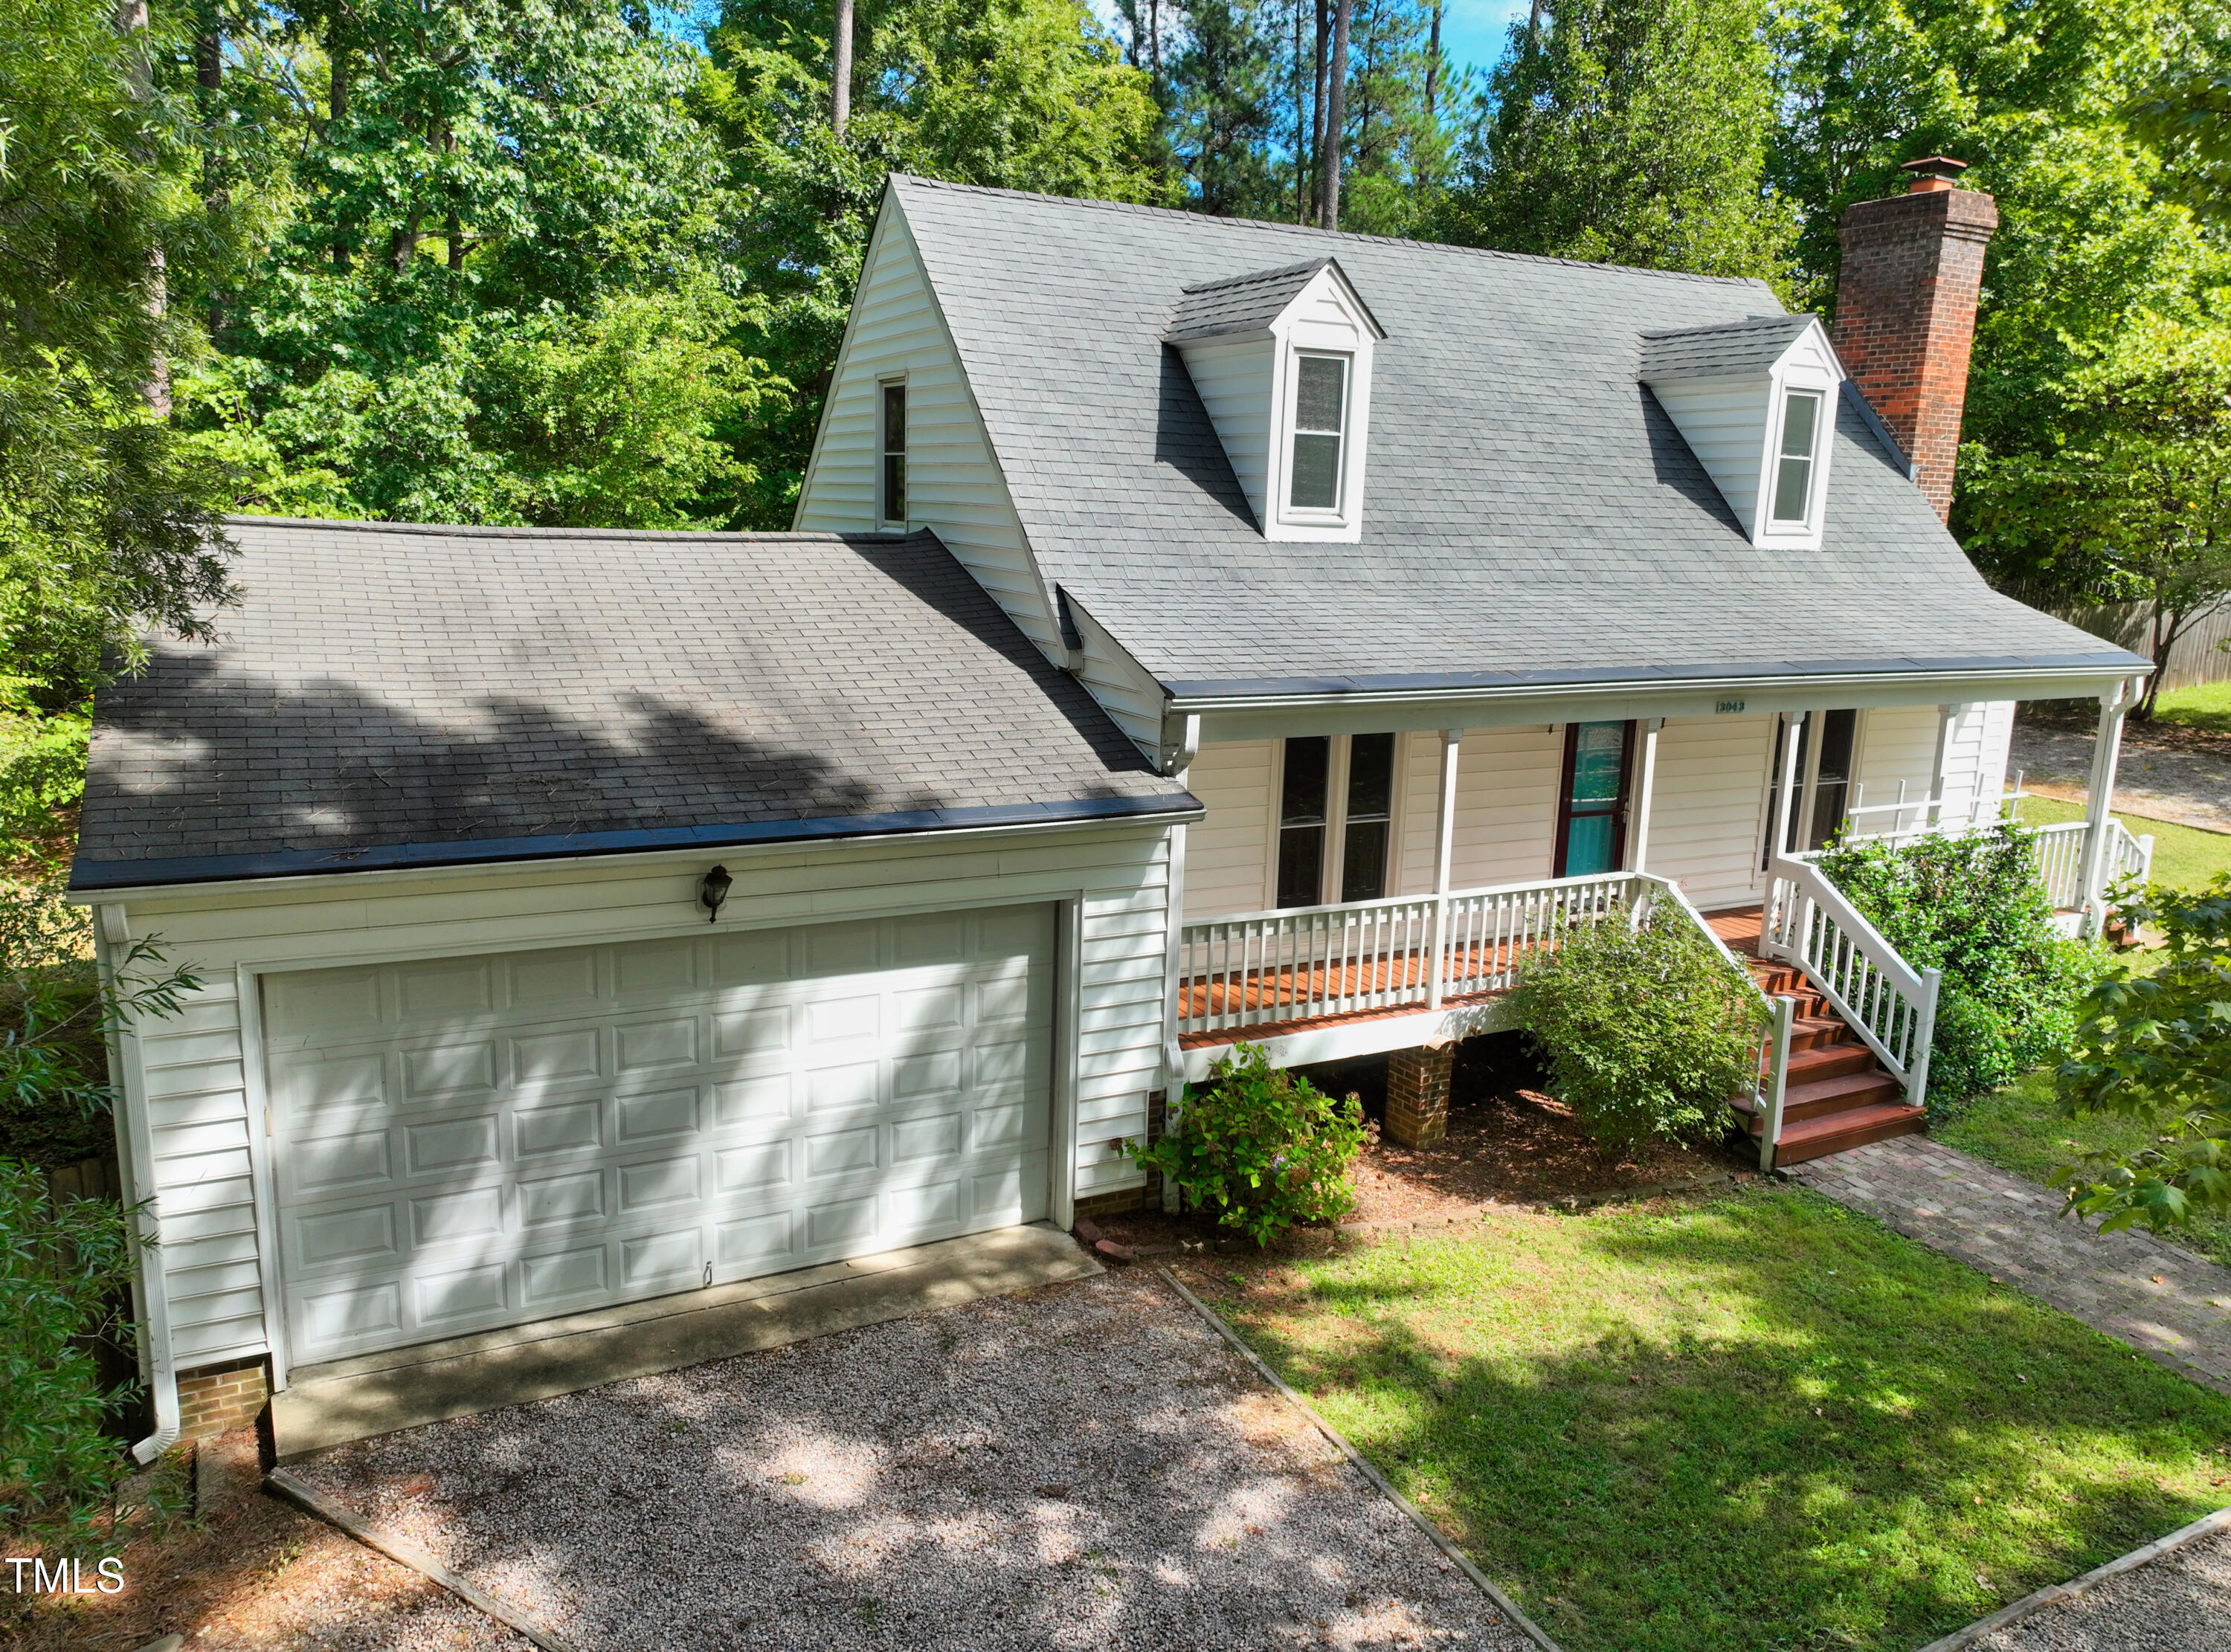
x: 35, y: 1577
x: 1727, y: 706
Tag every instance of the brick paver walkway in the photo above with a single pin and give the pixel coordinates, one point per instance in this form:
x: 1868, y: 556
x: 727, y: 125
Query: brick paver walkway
x: 2166, y: 1302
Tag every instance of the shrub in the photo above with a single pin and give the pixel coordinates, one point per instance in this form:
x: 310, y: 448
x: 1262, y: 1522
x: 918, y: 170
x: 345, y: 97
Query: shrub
x: 1647, y: 1030
x: 1974, y: 907
x: 62, y: 1265
x: 2157, y: 1049
x: 1262, y: 1147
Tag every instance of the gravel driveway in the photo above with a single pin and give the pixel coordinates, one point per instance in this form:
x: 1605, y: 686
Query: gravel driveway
x: 1088, y: 1466
x: 2154, y: 779
x: 2181, y: 1603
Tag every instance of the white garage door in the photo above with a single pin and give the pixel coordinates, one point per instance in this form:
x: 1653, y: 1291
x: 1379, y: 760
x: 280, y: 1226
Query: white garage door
x: 465, y: 1143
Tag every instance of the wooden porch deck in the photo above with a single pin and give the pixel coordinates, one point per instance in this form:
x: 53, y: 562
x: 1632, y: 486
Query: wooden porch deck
x: 1275, y: 986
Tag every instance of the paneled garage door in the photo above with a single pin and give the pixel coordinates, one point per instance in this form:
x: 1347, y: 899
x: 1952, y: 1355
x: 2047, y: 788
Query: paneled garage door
x: 465, y: 1143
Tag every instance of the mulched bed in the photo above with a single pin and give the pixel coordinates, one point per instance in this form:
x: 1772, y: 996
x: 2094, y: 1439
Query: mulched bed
x: 1508, y: 1143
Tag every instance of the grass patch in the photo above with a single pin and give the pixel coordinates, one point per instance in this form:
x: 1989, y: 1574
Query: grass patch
x: 1761, y: 1422
x: 2203, y: 705
x: 2020, y: 1129
x: 2184, y: 857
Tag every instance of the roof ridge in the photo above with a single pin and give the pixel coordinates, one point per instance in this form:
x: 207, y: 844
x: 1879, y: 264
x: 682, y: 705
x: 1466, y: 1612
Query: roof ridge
x: 1308, y: 265
x: 1734, y: 326
x: 1312, y: 230
x: 494, y: 531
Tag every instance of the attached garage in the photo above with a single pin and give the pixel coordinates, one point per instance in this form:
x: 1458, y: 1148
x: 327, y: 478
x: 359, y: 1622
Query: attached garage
x: 467, y: 1142
x: 435, y: 826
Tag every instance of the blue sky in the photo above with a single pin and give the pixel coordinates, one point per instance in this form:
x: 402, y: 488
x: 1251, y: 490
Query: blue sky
x: 1472, y: 30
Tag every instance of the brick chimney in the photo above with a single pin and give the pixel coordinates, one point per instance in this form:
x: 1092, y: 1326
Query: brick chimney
x: 1905, y: 311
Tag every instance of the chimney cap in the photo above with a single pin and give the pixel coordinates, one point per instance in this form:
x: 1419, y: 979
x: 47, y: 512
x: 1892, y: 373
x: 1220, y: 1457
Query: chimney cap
x: 1933, y: 172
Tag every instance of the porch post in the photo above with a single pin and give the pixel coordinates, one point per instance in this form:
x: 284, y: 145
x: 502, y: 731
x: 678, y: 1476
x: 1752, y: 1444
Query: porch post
x: 1932, y: 814
x: 1792, y: 728
x: 2100, y: 799
x: 1444, y: 844
x: 1645, y: 784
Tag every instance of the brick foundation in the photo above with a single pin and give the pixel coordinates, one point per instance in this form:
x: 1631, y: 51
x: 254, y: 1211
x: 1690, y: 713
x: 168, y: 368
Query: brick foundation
x: 1417, y: 1095
x: 1123, y: 1200
x: 216, y: 1399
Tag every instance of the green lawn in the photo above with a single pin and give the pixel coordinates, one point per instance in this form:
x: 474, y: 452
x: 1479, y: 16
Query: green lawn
x: 2206, y: 705
x: 2019, y: 1129
x: 1760, y: 1423
x: 2184, y: 857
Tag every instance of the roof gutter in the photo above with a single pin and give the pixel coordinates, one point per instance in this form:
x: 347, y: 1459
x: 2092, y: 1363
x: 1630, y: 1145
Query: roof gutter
x: 116, y: 881
x: 1182, y: 703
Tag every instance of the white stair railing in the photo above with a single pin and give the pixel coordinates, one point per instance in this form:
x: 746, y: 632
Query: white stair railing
x: 1890, y: 1004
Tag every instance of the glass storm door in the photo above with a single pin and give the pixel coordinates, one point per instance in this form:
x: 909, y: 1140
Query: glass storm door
x: 1592, y: 827
x: 1824, y: 784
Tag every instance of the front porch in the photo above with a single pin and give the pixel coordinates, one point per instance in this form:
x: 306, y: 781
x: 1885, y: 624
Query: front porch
x: 1844, y: 1062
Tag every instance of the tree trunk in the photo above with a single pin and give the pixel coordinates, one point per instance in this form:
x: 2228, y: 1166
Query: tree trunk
x: 2165, y: 638
x: 1336, y: 113
x: 455, y: 230
x: 1154, y: 47
x: 1318, y: 109
x: 1301, y: 128
x: 1432, y: 61
x: 131, y: 18
x: 840, y: 72
x: 336, y: 108
x: 208, y: 85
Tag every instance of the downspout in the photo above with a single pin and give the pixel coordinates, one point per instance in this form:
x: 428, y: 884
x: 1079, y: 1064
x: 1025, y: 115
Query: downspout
x: 1179, y: 766
x: 135, y: 1141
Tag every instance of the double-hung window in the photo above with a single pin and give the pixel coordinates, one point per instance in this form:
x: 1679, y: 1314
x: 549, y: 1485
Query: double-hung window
x: 891, y: 487
x: 1320, y: 438
x: 1336, y: 819
x: 1794, y: 466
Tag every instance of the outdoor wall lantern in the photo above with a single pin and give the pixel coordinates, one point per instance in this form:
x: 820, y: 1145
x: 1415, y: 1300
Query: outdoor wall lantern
x: 713, y: 891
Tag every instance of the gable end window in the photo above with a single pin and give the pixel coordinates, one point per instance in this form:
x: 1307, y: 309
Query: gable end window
x: 1793, y: 471
x: 1320, y: 432
x: 893, y: 483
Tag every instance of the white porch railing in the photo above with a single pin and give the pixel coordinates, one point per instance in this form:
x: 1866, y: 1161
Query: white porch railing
x: 1407, y: 951
x: 2060, y: 850
x: 1882, y: 997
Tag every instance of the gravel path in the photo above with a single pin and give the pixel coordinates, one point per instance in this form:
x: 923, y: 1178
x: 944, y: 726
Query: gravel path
x: 2157, y: 781
x: 1090, y: 1466
x: 2181, y: 1603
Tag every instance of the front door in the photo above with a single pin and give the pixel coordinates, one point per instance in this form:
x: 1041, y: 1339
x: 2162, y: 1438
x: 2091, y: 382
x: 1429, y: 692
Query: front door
x: 1591, y: 817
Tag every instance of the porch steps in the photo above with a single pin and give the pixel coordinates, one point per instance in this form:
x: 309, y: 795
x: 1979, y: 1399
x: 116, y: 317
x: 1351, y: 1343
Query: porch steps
x: 1838, y: 1096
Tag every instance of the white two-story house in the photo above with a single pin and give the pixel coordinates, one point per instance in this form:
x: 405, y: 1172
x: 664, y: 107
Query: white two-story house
x: 1193, y: 630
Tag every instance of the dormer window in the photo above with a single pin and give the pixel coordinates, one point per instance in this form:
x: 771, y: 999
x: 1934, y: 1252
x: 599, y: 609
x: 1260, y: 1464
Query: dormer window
x: 1320, y: 408
x: 1281, y: 361
x: 1756, y: 400
x: 1793, y: 477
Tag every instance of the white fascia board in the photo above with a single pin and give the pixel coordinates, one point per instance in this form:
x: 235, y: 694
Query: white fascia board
x: 373, y: 883
x: 1268, y: 716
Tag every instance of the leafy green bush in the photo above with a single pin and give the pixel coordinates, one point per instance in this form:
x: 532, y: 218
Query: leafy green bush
x: 1974, y: 907
x: 1648, y: 1028
x: 42, y: 778
x: 1262, y: 1147
x: 62, y: 1266
x: 2156, y: 1048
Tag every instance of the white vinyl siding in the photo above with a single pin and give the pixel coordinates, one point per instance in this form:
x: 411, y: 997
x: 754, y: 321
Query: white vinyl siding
x: 1707, y: 810
x: 1899, y: 743
x: 1234, y: 380
x: 953, y: 483
x: 1228, y: 854
x: 1122, y: 686
x: 197, y: 1086
x: 1724, y: 422
x: 1506, y: 823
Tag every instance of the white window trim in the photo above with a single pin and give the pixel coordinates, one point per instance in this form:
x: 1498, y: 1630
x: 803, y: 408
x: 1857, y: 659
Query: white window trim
x: 890, y: 381
x: 1290, y: 428
x: 1293, y: 337
x: 1336, y: 819
x: 1804, y: 378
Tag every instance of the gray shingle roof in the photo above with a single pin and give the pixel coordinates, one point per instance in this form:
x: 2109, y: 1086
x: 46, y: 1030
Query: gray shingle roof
x: 388, y: 695
x: 1752, y: 346
x: 1243, y: 304
x: 1530, y: 512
